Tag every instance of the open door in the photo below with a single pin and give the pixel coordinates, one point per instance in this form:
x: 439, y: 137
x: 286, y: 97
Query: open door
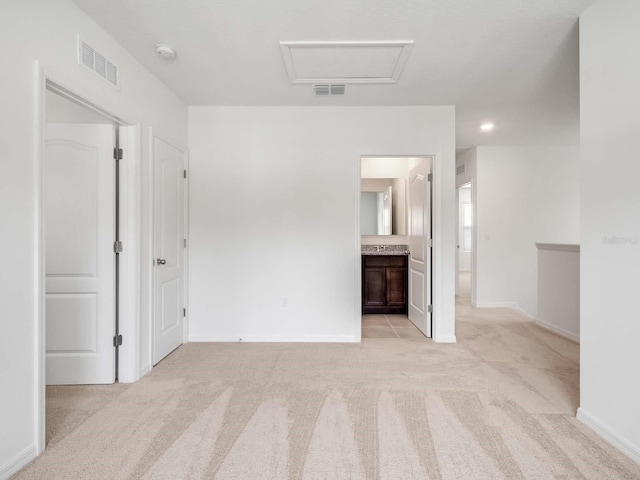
x: 80, y: 217
x: 168, y: 311
x: 420, y: 245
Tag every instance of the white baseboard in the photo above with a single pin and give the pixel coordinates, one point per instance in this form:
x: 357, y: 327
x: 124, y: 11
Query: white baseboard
x: 496, y: 305
x: 626, y: 447
x: 445, y: 339
x: 559, y: 330
x: 522, y: 312
x: 277, y: 339
x: 145, y: 369
x: 18, y: 462
x: 512, y: 305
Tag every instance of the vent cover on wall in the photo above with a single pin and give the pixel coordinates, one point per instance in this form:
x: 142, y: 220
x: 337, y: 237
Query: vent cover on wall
x: 460, y: 169
x: 328, y: 90
x: 96, y: 62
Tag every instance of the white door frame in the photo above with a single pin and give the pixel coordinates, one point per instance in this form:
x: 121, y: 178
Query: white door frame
x: 130, y: 214
x: 438, y: 273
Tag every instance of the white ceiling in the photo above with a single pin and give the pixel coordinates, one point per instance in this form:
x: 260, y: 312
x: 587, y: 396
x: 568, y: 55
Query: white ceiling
x: 512, y: 62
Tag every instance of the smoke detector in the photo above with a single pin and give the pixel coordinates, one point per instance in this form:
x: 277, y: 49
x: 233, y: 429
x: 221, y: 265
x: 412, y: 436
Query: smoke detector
x: 165, y: 51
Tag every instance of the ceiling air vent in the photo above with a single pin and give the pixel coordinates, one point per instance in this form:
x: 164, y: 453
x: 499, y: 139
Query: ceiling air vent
x: 99, y: 64
x: 329, y: 90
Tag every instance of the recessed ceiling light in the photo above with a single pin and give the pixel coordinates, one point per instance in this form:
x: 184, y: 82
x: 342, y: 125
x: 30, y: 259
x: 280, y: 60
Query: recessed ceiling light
x: 486, y: 127
x: 165, y: 51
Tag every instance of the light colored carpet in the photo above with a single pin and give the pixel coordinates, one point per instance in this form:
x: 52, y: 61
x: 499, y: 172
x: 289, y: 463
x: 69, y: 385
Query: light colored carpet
x: 499, y: 404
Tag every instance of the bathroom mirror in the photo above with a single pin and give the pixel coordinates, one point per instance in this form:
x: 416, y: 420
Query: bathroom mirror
x: 382, y: 206
x: 375, y: 212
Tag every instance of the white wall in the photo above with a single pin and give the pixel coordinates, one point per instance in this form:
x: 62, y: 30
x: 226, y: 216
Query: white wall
x: 384, y: 167
x: 559, y: 289
x: 292, y: 230
x: 46, y: 30
x: 610, y: 221
x: 468, y: 158
x: 523, y: 195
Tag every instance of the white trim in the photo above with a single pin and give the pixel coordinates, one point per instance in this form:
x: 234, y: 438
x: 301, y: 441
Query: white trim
x: 512, y: 305
x: 564, y: 247
x: 457, y: 241
x: 357, y: 327
x: 286, y: 47
x: 185, y: 259
x: 519, y: 310
x: 147, y: 248
x: 129, y: 362
x: 558, y: 330
x: 276, y: 339
x: 146, y: 368
x: 438, y: 322
x: 446, y: 339
x: 474, y: 239
x: 72, y: 97
x: 626, y: 447
x: 18, y: 462
x: 39, y: 268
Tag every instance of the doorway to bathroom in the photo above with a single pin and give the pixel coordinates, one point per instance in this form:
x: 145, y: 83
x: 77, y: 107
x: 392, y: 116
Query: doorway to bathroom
x: 396, y: 245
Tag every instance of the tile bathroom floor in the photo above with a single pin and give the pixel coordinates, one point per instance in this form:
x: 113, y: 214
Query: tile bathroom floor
x: 389, y: 326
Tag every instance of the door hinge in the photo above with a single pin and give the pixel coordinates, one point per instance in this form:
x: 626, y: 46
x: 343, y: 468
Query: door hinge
x: 429, y: 177
x: 117, y: 153
x: 117, y: 246
x: 117, y: 340
x: 184, y: 243
x: 184, y: 173
x: 430, y: 243
x: 430, y: 308
x: 184, y: 312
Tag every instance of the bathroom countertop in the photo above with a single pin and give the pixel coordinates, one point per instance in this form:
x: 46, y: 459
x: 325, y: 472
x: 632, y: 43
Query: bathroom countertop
x: 388, y: 250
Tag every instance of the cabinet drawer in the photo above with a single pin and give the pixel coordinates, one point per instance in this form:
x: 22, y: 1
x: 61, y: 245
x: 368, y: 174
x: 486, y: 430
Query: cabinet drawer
x: 384, y: 260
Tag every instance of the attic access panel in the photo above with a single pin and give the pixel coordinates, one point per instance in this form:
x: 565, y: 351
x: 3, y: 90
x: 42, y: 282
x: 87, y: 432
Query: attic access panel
x: 345, y: 62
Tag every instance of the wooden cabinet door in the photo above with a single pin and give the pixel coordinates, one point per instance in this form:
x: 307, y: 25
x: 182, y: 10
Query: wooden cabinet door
x: 374, y: 286
x: 396, y: 286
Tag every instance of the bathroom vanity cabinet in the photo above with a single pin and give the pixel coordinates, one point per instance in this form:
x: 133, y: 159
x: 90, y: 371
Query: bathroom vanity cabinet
x: 384, y: 284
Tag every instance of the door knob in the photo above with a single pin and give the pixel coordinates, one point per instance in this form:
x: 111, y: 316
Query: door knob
x: 161, y: 261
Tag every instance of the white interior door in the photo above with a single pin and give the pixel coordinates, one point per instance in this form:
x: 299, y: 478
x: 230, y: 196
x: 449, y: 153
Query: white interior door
x: 79, y: 231
x: 420, y: 251
x: 168, y: 315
